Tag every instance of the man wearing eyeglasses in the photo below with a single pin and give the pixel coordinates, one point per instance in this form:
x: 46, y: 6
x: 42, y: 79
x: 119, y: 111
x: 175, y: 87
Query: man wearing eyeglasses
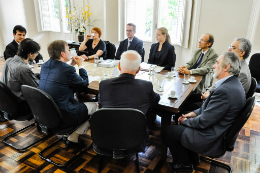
x: 202, y: 61
x: 131, y: 43
x: 11, y: 49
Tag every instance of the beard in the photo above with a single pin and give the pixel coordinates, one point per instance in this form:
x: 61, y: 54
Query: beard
x: 216, y: 73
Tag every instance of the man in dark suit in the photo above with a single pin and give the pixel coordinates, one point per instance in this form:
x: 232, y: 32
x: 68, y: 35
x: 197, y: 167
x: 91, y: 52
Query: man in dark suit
x: 11, y: 49
x: 131, y: 43
x: 202, y: 130
x: 60, y: 81
x: 126, y: 91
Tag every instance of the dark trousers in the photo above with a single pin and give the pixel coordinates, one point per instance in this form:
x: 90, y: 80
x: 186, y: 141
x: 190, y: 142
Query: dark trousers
x: 172, y: 137
x: 194, y: 102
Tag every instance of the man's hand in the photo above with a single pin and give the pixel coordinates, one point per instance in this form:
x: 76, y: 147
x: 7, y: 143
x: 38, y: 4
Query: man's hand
x: 205, y: 95
x: 185, y: 70
x: 190, y: 115
x: 181, y: 119
x: 73, y: 63
x: 79, y: 60
x: 179, y: 70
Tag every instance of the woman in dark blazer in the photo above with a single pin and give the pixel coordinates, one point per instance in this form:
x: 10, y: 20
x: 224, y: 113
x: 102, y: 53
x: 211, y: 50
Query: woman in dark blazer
x: 162, y: 53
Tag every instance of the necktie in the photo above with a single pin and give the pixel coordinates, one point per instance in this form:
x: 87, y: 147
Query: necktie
x: 129, y: 44
x: 199, y: 60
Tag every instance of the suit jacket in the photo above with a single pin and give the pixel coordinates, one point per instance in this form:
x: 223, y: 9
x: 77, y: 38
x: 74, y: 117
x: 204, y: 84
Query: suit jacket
x: 11, y: 50
x: 245, y: 76
x: 17, y: 73
x: 205, y: 66
x: 167, y: 55
x: 136, y: 45
x: 60, y: 81
x: 127, y: 92
x: 204, y: 133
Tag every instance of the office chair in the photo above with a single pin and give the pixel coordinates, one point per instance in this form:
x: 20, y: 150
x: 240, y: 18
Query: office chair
x: 111, y: 50
x: 254, y: 65
x: 118, y: 132
x: 49, y: 117
x: 232, y: 133
x: 252, y: 88
x: 12, y: 111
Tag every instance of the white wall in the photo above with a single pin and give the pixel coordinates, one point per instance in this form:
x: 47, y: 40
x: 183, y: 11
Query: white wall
x: 20, y: 12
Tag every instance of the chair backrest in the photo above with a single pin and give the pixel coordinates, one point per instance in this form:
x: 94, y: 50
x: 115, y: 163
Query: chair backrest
x: 254, y: 65
x: 252, y: 88
x: 118, y: 128
x: 111, y: 50
x: 8, y: 101
x: 234, y: 130
x: 44, y: 109
x: 143, y: 55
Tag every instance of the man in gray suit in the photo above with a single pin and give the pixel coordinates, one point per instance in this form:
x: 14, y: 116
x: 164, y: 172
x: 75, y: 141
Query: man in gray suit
x: 201, y: 61
x: 202, y: 131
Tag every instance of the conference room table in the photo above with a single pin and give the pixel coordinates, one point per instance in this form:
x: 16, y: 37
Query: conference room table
x: 183, y: 91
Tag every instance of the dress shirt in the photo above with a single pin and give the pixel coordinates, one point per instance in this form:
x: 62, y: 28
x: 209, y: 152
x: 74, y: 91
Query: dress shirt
x: 218, y: 83
x: 129, y: 42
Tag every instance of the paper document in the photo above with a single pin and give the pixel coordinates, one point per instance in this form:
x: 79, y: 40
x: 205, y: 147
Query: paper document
x: 93, y: 78
x: 108, y: 63
x: 157, y: 69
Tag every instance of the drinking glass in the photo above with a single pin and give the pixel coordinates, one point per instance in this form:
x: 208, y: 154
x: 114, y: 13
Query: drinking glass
x: 150, y: 71
x: 160, y: 85
x: 186, y: 78
x: 173, y: 69
x: 73, y: 53
x: 96, y: 59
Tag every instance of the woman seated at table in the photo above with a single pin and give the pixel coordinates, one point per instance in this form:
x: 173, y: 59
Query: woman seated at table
x: 162, y: 53
x: 94, y: 47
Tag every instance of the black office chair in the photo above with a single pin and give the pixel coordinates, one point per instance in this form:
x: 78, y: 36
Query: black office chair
x: 118, y: 132
x: 252, y: 88
x: 13, y: 111
x: 111, y: 50
x: 232, y: 133
x: 49, y: 117
x: 254, y: 65
x: 143, y: 55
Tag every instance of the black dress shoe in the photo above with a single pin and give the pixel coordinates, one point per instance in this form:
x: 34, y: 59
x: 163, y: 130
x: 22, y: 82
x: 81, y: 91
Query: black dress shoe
x: 71, y: 144
x: 180, y: 167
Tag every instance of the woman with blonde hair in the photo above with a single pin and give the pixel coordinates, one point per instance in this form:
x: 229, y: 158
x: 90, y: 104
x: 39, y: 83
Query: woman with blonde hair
x: 162, y: 53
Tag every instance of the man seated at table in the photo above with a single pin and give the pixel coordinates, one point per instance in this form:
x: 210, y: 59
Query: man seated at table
x: 202, y: 130
x: 201, y: 61
x: 242, y: 47
x: 19, y: 33
x: 16, y: 72
x: 126, y: 91
x: 60, y: 81
x: 131, y: 43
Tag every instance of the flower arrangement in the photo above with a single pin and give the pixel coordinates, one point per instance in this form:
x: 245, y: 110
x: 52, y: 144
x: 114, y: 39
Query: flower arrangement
x: 79, y: 19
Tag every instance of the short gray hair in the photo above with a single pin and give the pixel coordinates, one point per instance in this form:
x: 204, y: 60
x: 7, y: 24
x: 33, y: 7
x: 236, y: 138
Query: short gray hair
x: 133, y: 25
x: 233, y: 59
x: 128, y: 64
x: 244, y: 45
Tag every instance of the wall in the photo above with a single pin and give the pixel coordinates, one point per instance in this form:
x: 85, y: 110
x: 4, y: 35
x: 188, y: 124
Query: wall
x: 20, y: 12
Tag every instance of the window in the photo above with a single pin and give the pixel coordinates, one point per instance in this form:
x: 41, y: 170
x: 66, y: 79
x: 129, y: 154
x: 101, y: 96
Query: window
x: 148, y: 15
x: 50, y: 15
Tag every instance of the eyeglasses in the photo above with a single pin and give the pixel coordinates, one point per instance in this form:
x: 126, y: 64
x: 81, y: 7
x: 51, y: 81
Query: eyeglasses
x: 129, y: 30
x: 202, y: 41
x: 232, y: 47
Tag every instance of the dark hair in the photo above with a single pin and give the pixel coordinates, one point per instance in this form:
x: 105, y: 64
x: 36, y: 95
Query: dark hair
x: 19, y: 28
x: 55, y: 48
x: 211, y: 39
x: 26, y: 47
x: 133, y: 25
x: 98, y: 30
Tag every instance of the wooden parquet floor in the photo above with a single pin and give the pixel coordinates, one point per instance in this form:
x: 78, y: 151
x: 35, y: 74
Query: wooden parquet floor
x: 244, y: 159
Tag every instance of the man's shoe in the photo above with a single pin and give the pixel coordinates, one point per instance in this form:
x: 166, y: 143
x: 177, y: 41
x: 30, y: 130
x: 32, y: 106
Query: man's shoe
x: 2, y: 119
x: 71, y: 144
x: 180, y: 167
